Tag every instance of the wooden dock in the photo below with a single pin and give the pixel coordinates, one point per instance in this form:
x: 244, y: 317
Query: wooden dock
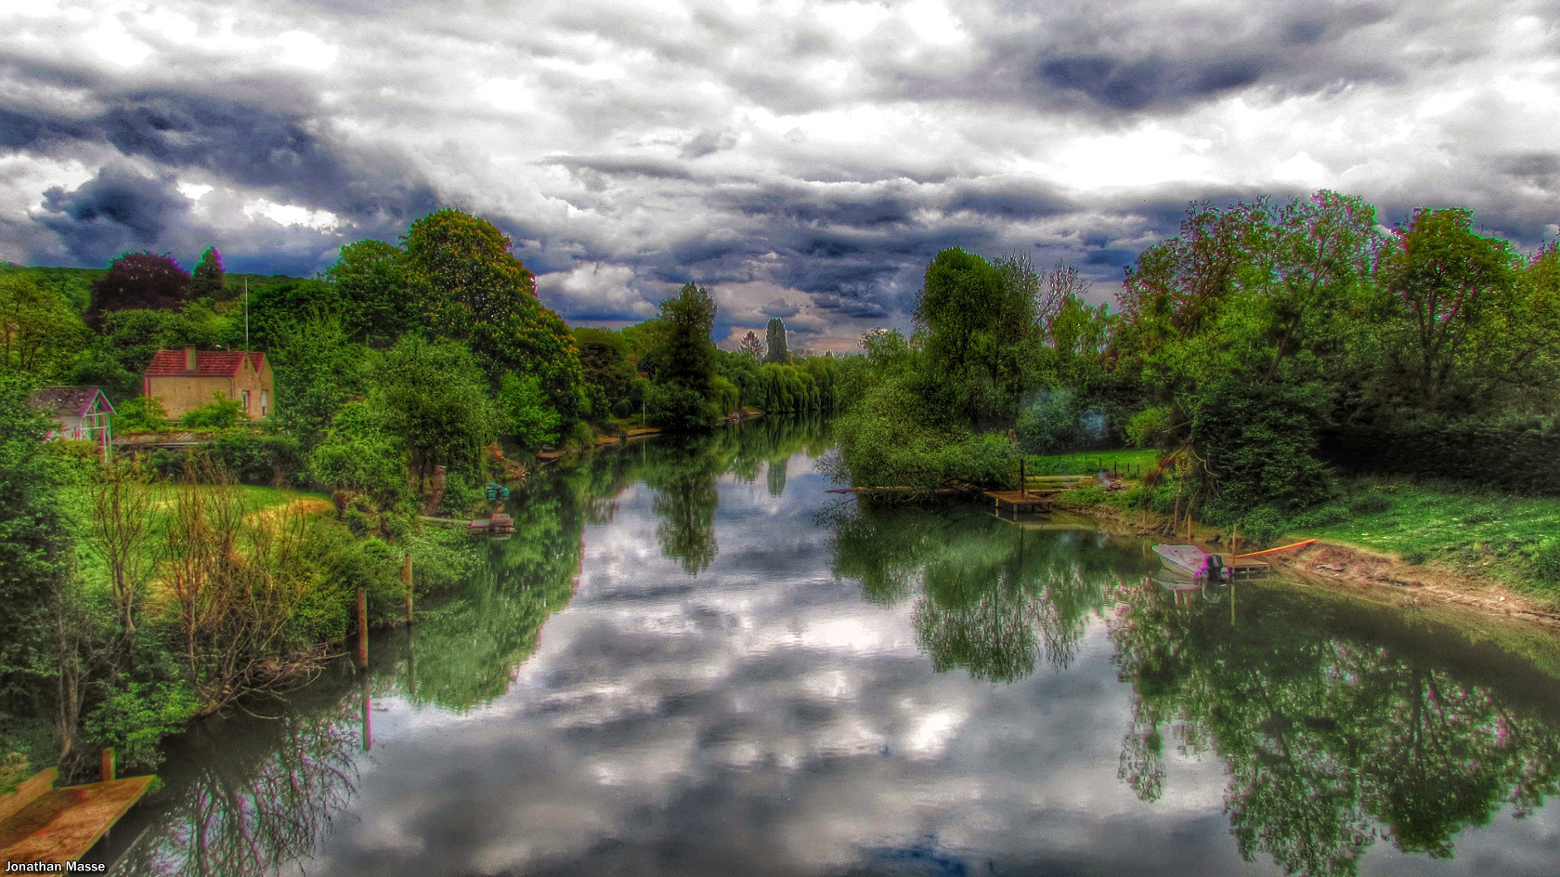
x: 39, y: 823
x: 1019, y: 500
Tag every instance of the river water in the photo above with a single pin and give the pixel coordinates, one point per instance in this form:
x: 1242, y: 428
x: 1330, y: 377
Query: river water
x: 691, y: 659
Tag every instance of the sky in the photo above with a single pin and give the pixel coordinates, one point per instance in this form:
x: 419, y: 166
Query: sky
x: 801, y: 159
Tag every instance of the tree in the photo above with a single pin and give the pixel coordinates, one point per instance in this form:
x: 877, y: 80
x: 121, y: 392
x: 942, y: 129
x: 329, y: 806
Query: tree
x: 34, y: 562
x: 139, y: 280
x: 527, y: 416
x: 317, y: 370
x: 39, y: 334
x: 604, y: 361
x: 432, y: 400
x: 207, y: 281
x: 977, y: 324
x: 121, y: 502
x: 472, y: 289
x: 751, y: 347
x: 376, y: 301
x: 684, y: 354
x: 775, y: 343
x: 1447, y: 283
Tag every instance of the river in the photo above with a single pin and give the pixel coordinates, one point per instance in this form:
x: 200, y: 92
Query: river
x: 692, y: 659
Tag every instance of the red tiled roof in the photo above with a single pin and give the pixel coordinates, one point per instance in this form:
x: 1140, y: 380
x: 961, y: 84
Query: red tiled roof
x: 208, y: 363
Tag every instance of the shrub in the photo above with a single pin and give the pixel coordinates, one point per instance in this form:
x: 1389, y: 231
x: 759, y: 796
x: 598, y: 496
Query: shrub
x: 1263, y: 525
x: 258, y: 459
x: 677, y: 408
x: 623, y: 409
x: 219, y: 413
x: 141, y: 414
x: 1149, y: 426
x: 1258, y: 446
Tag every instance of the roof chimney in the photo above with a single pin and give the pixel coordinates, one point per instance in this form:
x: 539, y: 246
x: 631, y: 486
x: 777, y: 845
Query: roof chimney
x: 189, y: 359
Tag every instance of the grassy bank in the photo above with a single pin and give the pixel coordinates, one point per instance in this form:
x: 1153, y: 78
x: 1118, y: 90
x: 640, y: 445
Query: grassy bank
x: 1478, y: 532
x: 1129, y: 462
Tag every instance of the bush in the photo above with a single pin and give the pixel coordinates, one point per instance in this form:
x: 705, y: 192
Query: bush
x: 676, y: 408
x: 1262, y: 526
x: 623, y: 409
x: 1149, y: 427
x: 1258, y: 446
x: 219, y: 413
x: 272, y: 460
x: 141, y: 414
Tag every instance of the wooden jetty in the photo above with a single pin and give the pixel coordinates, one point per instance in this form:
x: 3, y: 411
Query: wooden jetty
x: 39, y: 823
x: 1017, y: 500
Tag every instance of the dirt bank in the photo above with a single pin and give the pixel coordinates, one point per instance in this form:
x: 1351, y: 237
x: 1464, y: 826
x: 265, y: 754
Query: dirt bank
x: 1348, y: 569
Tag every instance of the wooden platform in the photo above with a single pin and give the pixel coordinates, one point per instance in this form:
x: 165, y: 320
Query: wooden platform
x: 61, y: 825
x: 1019, y: 500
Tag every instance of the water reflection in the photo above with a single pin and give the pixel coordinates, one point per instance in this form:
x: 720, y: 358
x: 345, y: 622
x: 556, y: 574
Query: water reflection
x: 836, y: 688
x: 995, y: 596
x: 1338, y: 725
x: 247, y: 796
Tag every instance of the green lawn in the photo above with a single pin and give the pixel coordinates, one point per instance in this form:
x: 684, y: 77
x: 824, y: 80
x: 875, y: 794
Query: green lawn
x: 1477, y: 530
x: 94, y: 570
x: 1474, y: 529
x: 1090, y: 462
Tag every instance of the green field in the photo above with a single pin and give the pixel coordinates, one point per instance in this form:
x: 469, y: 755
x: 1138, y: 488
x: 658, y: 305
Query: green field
x: 1131, y: 461
x: 94, y: 571
x: 1474, y: 529
x: 1468, y: 528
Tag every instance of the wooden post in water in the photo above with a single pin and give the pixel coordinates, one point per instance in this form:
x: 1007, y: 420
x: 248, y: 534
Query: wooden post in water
x: 368, y: 727
x: 108, y: 766
x: 362, y: 607
x: 406, y: 581
x: 1023, y: 483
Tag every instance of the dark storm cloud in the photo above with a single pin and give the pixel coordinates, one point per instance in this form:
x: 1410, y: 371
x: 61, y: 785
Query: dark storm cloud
x: 118, y: 210
x: 828, y: 149
x: 779, y: 308
x: 1150, y: 82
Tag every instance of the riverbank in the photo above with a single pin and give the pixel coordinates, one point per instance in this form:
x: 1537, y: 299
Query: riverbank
x: 1484, y: 580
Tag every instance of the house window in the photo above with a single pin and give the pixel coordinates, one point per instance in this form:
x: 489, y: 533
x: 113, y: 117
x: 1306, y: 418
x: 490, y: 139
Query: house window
x: 246, y: 401
x: 264, y: 404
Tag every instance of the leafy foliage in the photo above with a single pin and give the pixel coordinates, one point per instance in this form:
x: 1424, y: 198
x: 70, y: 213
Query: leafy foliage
x: 137, y: 281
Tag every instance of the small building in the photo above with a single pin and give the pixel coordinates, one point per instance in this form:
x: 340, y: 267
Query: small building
x: 184, y: 380
x: 84, y: 413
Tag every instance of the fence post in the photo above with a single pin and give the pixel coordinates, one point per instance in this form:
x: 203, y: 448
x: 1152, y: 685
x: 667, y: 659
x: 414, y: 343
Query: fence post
x: 406, y: 581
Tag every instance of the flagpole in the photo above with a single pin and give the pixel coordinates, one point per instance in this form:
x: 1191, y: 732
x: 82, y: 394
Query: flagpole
x: 246, y: 314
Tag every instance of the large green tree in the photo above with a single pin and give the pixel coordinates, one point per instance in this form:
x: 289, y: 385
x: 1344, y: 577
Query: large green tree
x: 432, y: 399
x: 977, y: 326
x: 1451, y: 287
x: 376, y: 300
x: 471, y: 288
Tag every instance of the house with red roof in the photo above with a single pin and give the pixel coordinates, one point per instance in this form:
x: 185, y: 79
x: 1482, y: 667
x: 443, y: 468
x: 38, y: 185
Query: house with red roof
x: 184, y: 380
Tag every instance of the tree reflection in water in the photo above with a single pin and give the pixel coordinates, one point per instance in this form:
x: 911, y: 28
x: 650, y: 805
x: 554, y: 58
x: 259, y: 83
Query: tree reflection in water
x: 266, y: 801
x: 1331, y: 739
x: 995, y: 596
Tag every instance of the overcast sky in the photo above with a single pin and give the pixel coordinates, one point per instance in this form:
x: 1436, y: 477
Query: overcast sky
x: 802, y: 159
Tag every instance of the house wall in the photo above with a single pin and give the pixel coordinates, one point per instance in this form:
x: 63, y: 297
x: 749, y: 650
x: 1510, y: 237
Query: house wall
x: 181, y: 394
x: 248, y: 378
